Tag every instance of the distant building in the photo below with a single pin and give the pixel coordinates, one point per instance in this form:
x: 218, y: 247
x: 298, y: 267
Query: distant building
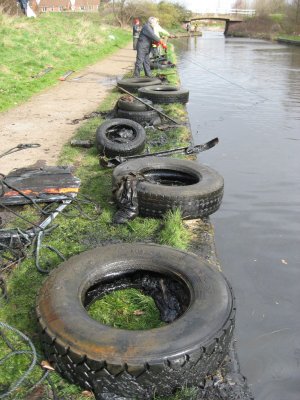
x: 68, y: 5
x: 54, y: 5
x: 86, y: 5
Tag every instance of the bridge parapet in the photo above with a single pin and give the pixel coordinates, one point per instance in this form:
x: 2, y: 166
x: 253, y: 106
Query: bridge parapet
x: 229, y: 14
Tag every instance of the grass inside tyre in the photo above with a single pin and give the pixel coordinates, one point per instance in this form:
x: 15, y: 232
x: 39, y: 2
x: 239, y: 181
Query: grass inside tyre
x: 164, y: 94
x: 120, y: 136
x: 133, y: 84
x: 170, y: 183
x: 194, y: 299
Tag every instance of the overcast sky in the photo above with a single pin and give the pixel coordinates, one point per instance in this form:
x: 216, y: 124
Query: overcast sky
x: 206, y: 5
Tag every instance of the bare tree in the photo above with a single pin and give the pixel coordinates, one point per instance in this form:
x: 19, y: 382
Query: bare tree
x: 265, y: 7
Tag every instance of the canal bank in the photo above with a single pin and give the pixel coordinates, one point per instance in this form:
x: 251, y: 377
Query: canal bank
x: 77, y: 233
x: 247, y: 92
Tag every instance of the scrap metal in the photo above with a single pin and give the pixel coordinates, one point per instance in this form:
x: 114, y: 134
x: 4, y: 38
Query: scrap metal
x: 148, y: 105
x: 113, y: 162
x: 19, y: 147
x: 65, y: 75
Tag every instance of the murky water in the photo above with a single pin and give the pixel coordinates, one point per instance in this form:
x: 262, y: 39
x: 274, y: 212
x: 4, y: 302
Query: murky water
x: 247, y: 92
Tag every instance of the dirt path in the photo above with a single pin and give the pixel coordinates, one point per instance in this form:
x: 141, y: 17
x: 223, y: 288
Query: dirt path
x: 46, y: 118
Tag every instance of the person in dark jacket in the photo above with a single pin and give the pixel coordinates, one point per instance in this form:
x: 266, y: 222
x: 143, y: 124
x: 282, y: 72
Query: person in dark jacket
x: 136, y: 28
x: 143, y: 47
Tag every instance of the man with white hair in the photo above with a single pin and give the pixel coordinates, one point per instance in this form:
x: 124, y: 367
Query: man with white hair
x: 143, y: 47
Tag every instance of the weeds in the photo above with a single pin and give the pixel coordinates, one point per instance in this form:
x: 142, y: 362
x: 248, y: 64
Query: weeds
x: 174, y: 233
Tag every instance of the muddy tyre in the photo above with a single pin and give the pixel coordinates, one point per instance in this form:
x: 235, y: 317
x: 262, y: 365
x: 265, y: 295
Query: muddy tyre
x: 165, y: 94
x: 133, y: 84
x: 136, y: 364
x: 139, y: 116
x: 169, y: 183
x: 157, y: 65
x: 120, y: 137
x: 134, y: 105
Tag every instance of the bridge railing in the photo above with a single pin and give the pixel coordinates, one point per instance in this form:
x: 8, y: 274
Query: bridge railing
x: 236, y: 11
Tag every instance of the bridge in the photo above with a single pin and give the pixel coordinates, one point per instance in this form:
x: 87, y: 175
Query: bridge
x: 231, y: 16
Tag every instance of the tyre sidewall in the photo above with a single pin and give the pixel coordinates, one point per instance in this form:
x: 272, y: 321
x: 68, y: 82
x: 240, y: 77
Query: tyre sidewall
x: 210, y: 309
x: 110, y: 148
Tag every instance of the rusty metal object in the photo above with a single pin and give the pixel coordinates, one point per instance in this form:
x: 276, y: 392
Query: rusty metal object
x: 188, y: 150
x: 26, y: 185
x: 66, y: 75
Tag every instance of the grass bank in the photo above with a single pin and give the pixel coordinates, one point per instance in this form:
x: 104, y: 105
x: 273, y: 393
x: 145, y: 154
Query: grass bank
x: 76, y: 233
x: 289, y: 39
x: 64, y: 41
x: 270, y: 27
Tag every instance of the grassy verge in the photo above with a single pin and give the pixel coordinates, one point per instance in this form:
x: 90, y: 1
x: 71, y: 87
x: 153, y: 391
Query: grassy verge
x: 294, y: 38
x: 129, y: 309
x: 64, y: 41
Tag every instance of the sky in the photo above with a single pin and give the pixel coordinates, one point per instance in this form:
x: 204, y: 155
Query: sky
x: 206, y: 5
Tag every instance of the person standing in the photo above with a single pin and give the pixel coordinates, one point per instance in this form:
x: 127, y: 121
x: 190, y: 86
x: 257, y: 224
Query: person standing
x: 136, y: 28
x: 163, y: 34
x: 143, y: 47
x: 23, y: 4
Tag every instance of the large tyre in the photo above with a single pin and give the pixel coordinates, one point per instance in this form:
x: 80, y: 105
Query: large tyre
x: 134, y: 105
x: 138, y: 116
x: 133, y: 84
x: 159, y: 65
x: 171, y: 183
x: 136, y: 364
x: 120, y: 137
x: 164, y: 94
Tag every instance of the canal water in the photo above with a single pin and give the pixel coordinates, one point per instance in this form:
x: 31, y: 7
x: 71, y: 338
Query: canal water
x: 247, y: 93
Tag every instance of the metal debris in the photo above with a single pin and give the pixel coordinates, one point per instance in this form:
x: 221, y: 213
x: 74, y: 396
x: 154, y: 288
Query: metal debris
x: 19, y: 147
x: 188, y: 150
x: 42, y: 73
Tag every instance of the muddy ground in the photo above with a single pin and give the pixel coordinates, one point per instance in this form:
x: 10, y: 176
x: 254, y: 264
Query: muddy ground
x: 46, y: 119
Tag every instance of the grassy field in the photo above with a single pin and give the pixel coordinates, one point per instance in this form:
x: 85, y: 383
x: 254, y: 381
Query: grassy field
x: 129, y: 308
x: 64, y: 41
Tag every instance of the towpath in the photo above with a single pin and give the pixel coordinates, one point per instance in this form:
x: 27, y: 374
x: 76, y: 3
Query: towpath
x: 46, y: 117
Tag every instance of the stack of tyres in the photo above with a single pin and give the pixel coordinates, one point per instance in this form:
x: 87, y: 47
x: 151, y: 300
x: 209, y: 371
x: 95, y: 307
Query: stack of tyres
x: 133, y: 84
x: 127, y: 107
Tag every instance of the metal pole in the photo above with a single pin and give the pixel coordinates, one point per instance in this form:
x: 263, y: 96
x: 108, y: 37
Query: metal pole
x: 148, y: 105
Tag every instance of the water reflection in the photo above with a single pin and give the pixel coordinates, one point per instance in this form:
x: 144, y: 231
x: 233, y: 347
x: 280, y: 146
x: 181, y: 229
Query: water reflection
x: 247, y: 92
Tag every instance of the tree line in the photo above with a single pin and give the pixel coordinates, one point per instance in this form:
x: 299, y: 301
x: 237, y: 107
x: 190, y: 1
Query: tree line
x: 287, y: 12
x: 124, y: 11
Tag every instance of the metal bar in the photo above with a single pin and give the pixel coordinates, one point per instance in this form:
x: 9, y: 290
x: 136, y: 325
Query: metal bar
x: 148, y: 105
x: 64, y: 77
x: 42, y: 73
x: 113, y: 162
